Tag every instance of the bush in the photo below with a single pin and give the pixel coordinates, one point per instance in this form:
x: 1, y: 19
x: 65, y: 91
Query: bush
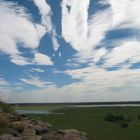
x: 120, y: 119
x: 109, y: 117
x: 4, y: 121
x: 19, y: 127
x: 129, y: 119
x: 124, y: 124
x: 6, y: 108
x: 113, y: 118
x: 138, y: 116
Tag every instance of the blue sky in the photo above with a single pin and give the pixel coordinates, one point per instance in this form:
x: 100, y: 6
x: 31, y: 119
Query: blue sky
x: 70, y: 50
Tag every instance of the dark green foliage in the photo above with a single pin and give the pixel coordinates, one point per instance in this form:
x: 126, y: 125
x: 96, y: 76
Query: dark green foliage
x: 124, y: 124
x: 6, y: 108
x: 114, y: 118
x: 4, y: 121
x: 129, y: 119
x: 120, y: 119
x: 19, y: 127
x: 109, y: 117
x: 138, y: 116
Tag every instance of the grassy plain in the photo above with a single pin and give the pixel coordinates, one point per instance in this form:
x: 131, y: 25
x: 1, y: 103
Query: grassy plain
x: 91, y: 120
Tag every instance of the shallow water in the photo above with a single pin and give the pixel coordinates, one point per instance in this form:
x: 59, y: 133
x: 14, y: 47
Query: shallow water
x: 107, y: 105
x: 44, y: 112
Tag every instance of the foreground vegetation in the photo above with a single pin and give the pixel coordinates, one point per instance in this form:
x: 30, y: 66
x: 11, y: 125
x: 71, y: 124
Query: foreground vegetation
x: 92, y: 121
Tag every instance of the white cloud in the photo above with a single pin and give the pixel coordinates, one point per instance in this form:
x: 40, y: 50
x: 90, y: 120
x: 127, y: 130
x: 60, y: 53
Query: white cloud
x: 16, y: 27
x: 98, y: 80
x: 98, y: 54
x: 3, y: 82
x: 54, y: 40
x: 46, y: 13
x: 36, y: 70
x: 85, y: 34
x: 42, y: 59
x: 35, y: 81
x: 126, y: 51
x: 74, y: 22
x: 19, y: 60
x: 94, y: 85
x: 125, y: 13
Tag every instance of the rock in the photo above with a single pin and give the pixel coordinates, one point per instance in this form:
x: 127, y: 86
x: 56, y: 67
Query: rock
x: 19, y: 126
x: 13, y: 132
x: 8, y: 137
x: 17, y: 122
x: 38, y: 126
x: 29, y: 134
x: 25, y: 129
x: 14, y: 118
x: 53, y: 135
x: 69, y: 134
x: 73, y: 134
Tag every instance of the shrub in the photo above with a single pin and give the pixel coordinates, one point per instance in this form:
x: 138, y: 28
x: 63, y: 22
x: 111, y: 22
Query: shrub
x: 124, y: 124
x: 4, y: 121
x: 129, y: 119
x: 19, y: 127
x: 109, y: 117
x: 113, y: 118
x: 138, y: 116
x: 120, y: 119
x: 6, y: 108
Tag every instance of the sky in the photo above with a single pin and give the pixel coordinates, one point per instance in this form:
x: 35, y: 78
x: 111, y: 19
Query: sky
x: 69, y: 50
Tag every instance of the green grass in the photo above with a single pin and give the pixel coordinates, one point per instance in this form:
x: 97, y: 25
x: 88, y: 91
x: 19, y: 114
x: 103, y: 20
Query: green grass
x: 91, y: 120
